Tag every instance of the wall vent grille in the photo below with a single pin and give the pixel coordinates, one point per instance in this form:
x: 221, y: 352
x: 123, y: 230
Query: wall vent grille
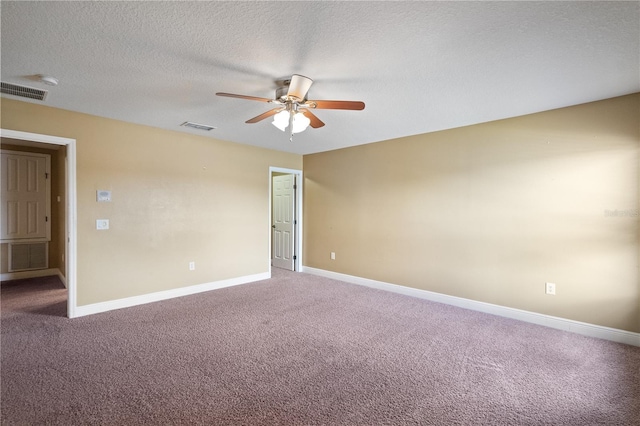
x: 29, y: 256
x: 23, y: 91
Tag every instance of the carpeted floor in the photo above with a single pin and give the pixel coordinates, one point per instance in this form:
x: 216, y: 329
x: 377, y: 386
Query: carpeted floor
x: 301, y: 350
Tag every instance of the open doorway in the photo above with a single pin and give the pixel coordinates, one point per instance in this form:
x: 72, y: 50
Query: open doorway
x: 64, y: 150
x: 285, y: 218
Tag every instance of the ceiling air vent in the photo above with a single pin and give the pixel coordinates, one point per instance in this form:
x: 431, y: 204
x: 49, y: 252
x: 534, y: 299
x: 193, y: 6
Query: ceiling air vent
x: 23, y: 91
x: 198, y: 126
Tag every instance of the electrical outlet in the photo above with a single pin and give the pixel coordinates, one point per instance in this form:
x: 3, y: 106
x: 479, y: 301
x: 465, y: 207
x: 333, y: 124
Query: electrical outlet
x: 333, y: 256
x: 102, y: 224
x: 192, y: 266
x: 550, y: 288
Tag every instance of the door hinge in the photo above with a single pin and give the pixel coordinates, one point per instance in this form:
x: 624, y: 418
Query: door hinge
x: 46, y: 218
x: 295, y: 257
x: 295, y: 222
x: 46, y: 175
x: 295, y: 186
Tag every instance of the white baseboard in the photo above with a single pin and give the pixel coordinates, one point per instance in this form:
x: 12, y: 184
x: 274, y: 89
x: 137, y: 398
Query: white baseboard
x: 585, y: 329
x: 33, y: 274
x: 128, y: 302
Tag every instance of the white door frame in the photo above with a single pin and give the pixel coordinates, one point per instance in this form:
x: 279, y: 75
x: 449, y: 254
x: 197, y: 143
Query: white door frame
x: 70, y: 210
x: 297, y: 263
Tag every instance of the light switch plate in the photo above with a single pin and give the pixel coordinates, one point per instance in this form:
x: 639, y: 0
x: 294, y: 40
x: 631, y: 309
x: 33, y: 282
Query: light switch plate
x: 102, y: 224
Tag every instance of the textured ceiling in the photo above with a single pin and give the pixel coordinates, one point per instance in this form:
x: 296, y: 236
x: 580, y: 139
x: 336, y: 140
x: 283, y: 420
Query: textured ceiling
x: 419, y: 66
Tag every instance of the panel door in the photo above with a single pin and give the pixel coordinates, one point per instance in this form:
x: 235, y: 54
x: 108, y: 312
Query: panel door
x: 25, y: 196
x: 283, y: 227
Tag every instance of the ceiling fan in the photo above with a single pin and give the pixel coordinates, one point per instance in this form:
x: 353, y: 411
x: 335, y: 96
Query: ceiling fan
x: 293, y: 107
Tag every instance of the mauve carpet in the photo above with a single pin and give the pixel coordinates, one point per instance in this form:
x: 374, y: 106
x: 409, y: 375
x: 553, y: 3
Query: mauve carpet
x: 301, y: 350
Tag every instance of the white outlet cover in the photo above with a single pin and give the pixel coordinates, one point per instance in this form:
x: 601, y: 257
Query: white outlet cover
x: 102, y: 224
x: 550, y: 288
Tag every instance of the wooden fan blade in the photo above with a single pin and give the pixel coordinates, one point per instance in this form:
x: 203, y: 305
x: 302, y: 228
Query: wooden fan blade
x: 251, y: 98
x: 264, y: 115
x: 315, y: 121
x: 299, y: 86
x: 353, y: 105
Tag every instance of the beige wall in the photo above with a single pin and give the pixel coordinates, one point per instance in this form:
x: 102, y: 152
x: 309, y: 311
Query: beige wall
x: 56, y: 245
x: 491, y: 212
x: 488, y: 212
x: 176, y: 198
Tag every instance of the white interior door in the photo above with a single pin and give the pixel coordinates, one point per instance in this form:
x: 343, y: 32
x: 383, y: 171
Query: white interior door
x: 25, y: 207
x: 283, y: 227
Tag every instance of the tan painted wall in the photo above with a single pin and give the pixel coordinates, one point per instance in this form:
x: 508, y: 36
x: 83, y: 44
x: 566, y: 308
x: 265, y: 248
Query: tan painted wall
x: 176, y: 198
x: 491, y: 212
x: 56, y: 245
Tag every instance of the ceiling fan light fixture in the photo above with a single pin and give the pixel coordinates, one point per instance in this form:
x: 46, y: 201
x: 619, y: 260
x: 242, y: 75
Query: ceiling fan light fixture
x: 281, y: 120
x: 293, y: 109
x: 298, y: 87
x: 300, y: 122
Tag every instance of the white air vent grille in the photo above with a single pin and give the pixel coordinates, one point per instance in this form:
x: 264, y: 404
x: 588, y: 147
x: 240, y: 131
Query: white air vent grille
x: 197, y: 126
x: 23, y: 91
x: 28, y: 256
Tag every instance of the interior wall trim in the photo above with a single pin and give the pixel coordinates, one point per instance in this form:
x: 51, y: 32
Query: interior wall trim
x: 143, y: 299
x: 585, y: 329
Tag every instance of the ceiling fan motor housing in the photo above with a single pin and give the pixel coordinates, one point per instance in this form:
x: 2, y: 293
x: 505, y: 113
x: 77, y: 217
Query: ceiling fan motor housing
x: 281, y: 92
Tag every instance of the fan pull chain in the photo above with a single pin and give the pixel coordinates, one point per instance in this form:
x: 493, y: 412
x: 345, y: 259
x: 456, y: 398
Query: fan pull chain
x: 292, y: 112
